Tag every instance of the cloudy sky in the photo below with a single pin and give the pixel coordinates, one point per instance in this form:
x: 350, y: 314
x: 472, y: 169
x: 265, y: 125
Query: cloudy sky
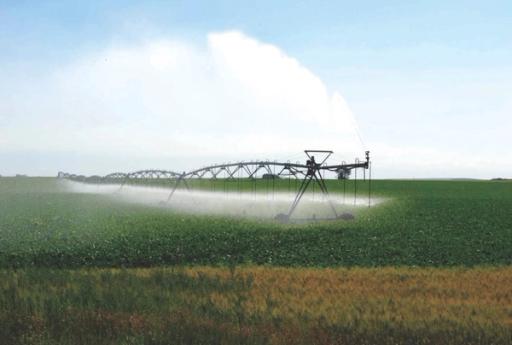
x: 96, y: 87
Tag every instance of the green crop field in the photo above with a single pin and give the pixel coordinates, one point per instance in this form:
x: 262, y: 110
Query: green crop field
x: 430, y: 264
x: 422, y: 223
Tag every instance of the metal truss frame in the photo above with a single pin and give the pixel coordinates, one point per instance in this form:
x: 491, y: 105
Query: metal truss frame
x: 309, y: 172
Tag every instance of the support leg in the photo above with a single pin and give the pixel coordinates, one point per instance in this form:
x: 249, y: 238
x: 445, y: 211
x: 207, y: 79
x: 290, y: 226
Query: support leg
x: 174, y: 189
x: 302, y: 189
x: 122, y: 185
x: 323, y: 188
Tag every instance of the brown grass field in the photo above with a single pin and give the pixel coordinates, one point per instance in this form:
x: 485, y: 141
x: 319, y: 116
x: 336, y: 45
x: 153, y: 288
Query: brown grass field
x: 257, y: 305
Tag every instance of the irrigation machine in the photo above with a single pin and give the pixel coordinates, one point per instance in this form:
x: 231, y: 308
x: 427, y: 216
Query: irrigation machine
x: 306, y: 175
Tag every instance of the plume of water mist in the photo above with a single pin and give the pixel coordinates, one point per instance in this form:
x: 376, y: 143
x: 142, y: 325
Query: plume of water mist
x: 233, y: 203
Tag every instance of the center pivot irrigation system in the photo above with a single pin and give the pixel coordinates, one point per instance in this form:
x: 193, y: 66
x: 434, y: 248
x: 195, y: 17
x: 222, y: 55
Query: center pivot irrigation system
x: 313, y: 171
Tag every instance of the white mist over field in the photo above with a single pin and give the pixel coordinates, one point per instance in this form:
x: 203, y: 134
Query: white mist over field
x: 176, y: 105
x: 232, y: 203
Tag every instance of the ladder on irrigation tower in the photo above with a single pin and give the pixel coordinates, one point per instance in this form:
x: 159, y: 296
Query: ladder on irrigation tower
x: 314, y: 175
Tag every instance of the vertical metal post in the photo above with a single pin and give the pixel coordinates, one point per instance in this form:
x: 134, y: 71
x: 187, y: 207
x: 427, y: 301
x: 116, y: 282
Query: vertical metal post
x: 355, y: 186
x: 273, y: 180
x: 344, y: 190
x: 313, y: 191
x: 289, y: 180
x: 369, y: 184
x: 267, y: 186
x: 296, y: 183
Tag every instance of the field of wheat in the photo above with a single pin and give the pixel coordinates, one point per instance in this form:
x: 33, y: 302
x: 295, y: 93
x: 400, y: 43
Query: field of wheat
x: 257, y: 305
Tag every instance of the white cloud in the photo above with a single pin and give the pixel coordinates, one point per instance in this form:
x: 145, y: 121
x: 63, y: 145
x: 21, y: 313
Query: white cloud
x: 233, y: 98
x: 234, y: 95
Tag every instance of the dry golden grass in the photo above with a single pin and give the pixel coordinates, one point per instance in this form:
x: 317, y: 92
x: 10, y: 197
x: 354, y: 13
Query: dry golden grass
x: 398, y: 295
x: 258, y: 305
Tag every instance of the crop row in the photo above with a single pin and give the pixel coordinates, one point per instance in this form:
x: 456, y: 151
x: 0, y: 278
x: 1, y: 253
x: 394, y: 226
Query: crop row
x: 424, y: 223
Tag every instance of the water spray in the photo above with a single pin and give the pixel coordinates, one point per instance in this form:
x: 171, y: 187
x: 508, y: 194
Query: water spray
x: 311, y: 173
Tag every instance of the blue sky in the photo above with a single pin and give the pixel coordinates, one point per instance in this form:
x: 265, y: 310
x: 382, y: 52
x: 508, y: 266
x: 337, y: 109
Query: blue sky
x: 428, y: 82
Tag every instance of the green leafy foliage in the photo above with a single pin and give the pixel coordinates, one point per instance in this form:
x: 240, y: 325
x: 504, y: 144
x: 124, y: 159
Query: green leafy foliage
x: 424, y: 223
